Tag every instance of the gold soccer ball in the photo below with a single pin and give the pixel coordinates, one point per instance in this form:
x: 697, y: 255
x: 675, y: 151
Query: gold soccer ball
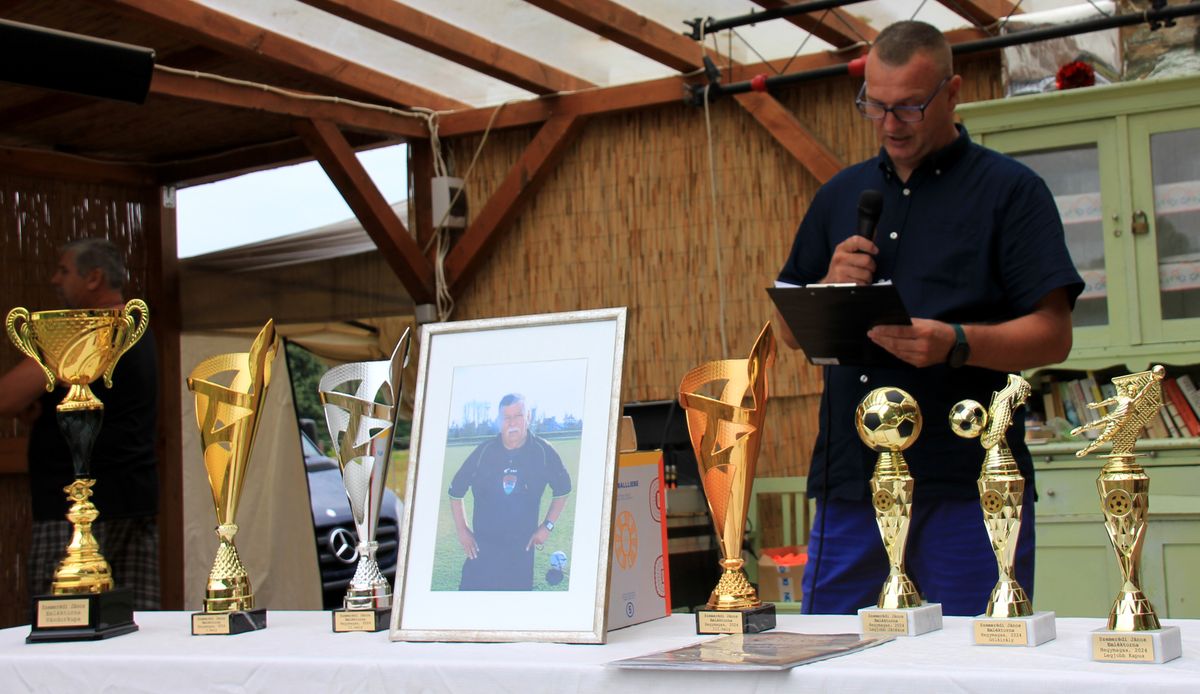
x: 888, y: 419
x: 968, y: 419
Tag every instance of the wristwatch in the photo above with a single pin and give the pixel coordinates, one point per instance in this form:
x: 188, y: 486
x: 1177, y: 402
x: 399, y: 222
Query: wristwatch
x: 549, y: 524
x: 961, y: 351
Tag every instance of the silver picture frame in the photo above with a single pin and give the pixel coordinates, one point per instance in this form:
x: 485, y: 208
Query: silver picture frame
x: 566, y: 369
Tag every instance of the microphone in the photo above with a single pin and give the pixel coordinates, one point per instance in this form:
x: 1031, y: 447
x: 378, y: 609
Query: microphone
x: 870, y: 206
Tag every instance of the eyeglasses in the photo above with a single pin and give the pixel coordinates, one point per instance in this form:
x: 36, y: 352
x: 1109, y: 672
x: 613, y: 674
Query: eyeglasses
x: 905, y: 114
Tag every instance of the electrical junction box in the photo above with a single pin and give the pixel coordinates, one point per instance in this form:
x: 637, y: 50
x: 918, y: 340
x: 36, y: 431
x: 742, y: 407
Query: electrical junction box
x: 444, y: 190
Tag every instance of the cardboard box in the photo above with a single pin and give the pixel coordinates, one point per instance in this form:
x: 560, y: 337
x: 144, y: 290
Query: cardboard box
x: 779, y: 572
x: 639, y: 587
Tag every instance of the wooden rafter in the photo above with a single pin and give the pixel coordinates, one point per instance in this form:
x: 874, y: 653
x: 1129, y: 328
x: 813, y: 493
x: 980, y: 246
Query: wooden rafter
x: 377, y: 217
x: 229, y: 34
x: 448, y: 41
x: 69, y: 168
x: 628, y: 28
x: 518, y: 187
x: 839, y: 28
x: 787, y: 130
x: 173, y: 84
x: 982, y: 13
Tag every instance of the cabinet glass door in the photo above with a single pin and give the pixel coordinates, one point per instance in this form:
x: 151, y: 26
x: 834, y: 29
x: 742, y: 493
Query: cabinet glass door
x: 1072, y: 161
x: 1167, y: 197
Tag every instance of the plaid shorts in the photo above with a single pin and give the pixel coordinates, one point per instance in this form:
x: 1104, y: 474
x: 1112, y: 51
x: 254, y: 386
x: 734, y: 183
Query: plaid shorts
x: 130, y: 545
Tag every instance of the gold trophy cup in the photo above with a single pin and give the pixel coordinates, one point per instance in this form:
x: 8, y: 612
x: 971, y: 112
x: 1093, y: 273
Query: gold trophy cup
x: 1133, y: 633
x: 363, y: 429
x: 228, y: 420
x: 76, y: 347
x: 1009, y: 619
x: 888, y: 421
x: 726, y: 433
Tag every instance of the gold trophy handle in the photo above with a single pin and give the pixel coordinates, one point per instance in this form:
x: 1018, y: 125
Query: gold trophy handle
x: 134, y: 333
x: 17, y: 326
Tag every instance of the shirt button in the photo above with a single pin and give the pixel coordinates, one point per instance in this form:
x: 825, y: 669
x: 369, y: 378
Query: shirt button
x: 907, y: 192
x: 862, y: 378
x: 893, y: 236
x: 937, y: 172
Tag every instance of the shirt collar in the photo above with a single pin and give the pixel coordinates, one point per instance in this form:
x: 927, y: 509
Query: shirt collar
x: 941, y: 160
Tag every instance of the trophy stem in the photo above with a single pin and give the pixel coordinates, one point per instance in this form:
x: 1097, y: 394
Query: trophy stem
x: 733, y: 591
x: 369, y: 588
x: 84, y: 570
x: 891, y: 494
x: 1124, y: 489
x: 79, y: 397
x: 228, y: 587
x: 1001, y: 495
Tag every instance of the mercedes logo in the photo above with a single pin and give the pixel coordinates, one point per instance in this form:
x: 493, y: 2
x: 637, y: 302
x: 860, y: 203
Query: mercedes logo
x: 341, y: 543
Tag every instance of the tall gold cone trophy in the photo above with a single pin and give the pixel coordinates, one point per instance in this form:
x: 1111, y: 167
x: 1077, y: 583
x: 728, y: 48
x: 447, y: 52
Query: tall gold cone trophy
x: 76, y: 347
x: 1133, y: 633
x: 363, y: 429
x: 228, y: 420
x: 888, y: 421
x: 1009, y: 619
x: 726, y: 433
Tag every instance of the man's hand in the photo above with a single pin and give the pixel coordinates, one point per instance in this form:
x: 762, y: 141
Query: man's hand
x: 924, y: 343
x: 853, y: 262
x: 538, y: 538
x: 466, y: 538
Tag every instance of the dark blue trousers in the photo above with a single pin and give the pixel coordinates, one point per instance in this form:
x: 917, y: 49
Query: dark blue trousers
x: 949, y: 556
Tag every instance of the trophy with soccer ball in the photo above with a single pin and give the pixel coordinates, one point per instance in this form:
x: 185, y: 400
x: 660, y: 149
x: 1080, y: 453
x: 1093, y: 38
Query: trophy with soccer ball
x: 889, y: 421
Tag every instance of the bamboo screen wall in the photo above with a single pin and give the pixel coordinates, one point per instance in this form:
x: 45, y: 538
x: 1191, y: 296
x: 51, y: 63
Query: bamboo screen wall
x: 625, y: 220
x: 36, y: 217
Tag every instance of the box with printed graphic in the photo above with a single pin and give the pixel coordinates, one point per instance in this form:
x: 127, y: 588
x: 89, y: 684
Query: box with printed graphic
x: 779, y: 572
x: 639, y: 589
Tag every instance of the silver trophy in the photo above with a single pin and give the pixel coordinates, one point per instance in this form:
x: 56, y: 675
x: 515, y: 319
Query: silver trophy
x: 361, y: 407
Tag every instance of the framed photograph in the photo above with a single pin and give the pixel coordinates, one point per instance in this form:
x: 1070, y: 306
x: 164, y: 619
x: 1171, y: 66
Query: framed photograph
x: 512, y: 469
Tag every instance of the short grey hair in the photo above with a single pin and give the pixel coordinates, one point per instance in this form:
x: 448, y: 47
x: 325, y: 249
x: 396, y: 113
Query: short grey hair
x: 99, y: 254
x: 899, y: 42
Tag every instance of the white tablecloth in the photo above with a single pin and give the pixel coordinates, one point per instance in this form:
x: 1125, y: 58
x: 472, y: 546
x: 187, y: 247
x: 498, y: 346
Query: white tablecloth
x: 298, y: 652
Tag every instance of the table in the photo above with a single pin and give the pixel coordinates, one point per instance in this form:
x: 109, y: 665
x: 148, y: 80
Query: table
x: 299, y: 653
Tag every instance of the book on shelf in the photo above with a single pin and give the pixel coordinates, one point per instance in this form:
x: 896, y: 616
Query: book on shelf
x: 1178, y: 405
x: 1188, y: 388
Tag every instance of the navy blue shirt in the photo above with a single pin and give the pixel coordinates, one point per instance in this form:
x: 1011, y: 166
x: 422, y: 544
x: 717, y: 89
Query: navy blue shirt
x: 972, y: 237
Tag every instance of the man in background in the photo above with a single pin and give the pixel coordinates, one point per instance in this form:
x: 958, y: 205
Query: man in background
x: 974, y: 244
x: 91, y: 274
x: 507, y: 475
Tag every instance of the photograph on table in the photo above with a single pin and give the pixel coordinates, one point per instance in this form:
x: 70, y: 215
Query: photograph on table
x: 511, y: 480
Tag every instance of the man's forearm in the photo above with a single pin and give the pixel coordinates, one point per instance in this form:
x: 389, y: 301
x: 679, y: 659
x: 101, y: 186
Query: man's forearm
x: 1039, y: 338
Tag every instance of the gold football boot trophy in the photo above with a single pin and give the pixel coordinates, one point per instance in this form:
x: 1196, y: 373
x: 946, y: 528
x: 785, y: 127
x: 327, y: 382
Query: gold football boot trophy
x: 1133, y: 633
x: 726, y: 433
x: 1009, y: 619
x: 888, y: 421
x: 75, y: 347
x: 363, y: 429
x: 228, y: 420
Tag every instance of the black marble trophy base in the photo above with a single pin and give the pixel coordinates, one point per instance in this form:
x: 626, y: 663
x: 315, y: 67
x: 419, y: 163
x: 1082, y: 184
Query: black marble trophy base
x: 750, y: 620
x: 228, y: 623
x: 361, y: 620
x: 88, y: 617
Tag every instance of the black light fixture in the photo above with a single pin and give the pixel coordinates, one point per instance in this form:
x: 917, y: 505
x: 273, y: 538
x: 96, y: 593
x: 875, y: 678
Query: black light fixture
x: 51, y: 59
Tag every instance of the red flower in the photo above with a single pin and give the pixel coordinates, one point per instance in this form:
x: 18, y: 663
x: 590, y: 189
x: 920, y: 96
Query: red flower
x: 1075, y: 74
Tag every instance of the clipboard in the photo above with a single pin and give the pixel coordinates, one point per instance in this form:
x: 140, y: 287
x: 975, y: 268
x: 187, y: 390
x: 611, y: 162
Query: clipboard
x: 830, y: 322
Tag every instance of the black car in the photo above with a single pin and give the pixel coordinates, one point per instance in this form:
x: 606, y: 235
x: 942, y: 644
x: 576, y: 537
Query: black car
x: 337, y: 541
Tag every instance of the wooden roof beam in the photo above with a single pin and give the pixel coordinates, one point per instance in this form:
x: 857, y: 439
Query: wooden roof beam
x: 519, y: 186
x: 212, y: 91
x: 67, y: 167
x: 628, y: 28
x: 983, y: 13
x: 234, y: 36
x: 839, y: 28
x: 377, y: 217
x: 813, y: 154
x: 452, y: 43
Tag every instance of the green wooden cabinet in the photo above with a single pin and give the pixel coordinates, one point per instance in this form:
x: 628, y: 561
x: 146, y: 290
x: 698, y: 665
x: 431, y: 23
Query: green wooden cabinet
x: 1123, y: 162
